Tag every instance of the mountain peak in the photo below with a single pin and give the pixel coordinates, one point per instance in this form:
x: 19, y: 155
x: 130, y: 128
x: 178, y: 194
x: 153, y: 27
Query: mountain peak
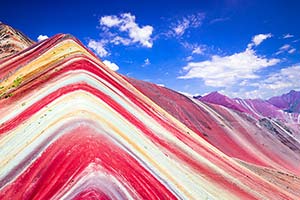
x: 289, y: 102
x: 216, y: 97
x: 221, y: 99
x: 292, y: 92
x: 12, y: 41
x: 216, y: 92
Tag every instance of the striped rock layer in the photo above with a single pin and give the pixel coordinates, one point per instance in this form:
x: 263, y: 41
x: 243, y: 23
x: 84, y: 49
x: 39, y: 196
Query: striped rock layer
x: 70, y: 128
x: 12, y: 41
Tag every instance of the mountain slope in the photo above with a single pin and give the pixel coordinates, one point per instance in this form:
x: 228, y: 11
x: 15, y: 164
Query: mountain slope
x: 289, y: 102
x: 234, y: 133
x: 220, y: 99
x: 70, y: 128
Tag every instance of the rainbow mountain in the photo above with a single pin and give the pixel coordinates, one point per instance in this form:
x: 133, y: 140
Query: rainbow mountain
x: 71, y: 128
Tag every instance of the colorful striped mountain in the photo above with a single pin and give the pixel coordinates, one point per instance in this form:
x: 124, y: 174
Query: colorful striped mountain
x: 12, y: 41
x: 71, y: 128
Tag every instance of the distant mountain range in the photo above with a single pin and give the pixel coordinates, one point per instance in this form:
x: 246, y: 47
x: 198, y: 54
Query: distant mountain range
x: 289, y: 102
x: 71, y: 128
x: 284, y: 108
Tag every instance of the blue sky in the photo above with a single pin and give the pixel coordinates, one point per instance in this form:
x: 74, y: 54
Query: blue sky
x: 245, y: 48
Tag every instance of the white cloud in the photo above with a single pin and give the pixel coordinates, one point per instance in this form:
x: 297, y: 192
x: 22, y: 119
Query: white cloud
x: 292, y: 50
x: 288, y: 36
x: 111, y: 65
x: 243, y: 93
x: 286, y: 77
x: 274, y: 84
x: 195, y: 48
x: 110, y: 21
x: 189, y: 58
x: 286, y: 48
x: 98, y: 47
x: 190, y: 21
x: 181, y: 27
x: 258, y: 39
x: 221, y: 19
x: 280, y: 82
x: 196, y: 20
x: 42, y: 37
x: 125, y: 23
x: 198, y: 50
x: 119, y: 40
x: 146, y: 62
x: 228, y: 70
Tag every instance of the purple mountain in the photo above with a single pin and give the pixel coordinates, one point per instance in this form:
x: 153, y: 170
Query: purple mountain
x: 259, y: 108
x: 220, y: 99
x: 289, y: 102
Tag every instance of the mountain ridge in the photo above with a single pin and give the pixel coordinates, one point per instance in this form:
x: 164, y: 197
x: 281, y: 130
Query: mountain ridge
x: 258, y: 108
x: 289, y: 102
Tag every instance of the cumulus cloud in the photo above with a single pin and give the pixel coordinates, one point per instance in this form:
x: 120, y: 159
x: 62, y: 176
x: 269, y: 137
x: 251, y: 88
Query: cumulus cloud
x: 98, y: 47
x: 258, y: 39
x: 224, y: 71
x: 227, y: 70
x: 288, y: 36
x: 277, y: 83
x: 190, y: 21
x: 126, y: 23
x: 119, y: 40
x: 42, y: 37
x: 110, y: 21
x: 285, y: 78
x: 111, y: 65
